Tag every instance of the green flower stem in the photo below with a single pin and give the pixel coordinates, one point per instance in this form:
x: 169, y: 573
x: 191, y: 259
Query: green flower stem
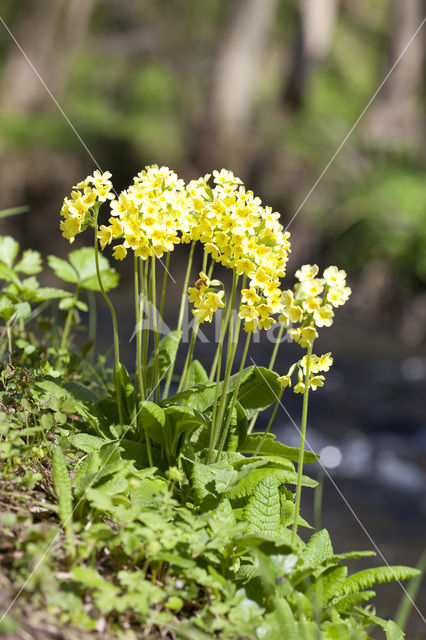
x: 114, y: 324
x: 138, y: 315
x: 219, y: 350
x: 190, y: 353
x: 229, y: 361
x: 163, y: 290
x: 302, y: 446
x: 218, y: 354
x: 184, y: 376
x: 277, y: 404
x: 92, y: 322
x: 155, y: 329
x: 141, y: 282
x: 270, y: 366
x: 180, y: 319
x: 144, y: 276
x: 233, y: 402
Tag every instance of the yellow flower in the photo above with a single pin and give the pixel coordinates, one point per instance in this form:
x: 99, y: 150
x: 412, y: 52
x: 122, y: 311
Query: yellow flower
x: 119, y: 252
x: 285, y: 381
x: 307, y: 272
x: 337, y: 296
x: 249, y: 295
x: 299, y: 387
x: 105, y: 236
x: 335, y: 277
x: 70, y: 228
x: 311, y: 305
x: 324, y: 316
x: 315, y: 382
x: 244, y: 266
x: 307, y: 337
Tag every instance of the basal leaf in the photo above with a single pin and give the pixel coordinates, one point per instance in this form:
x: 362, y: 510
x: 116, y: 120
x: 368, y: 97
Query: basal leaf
x: 318, y: 549
x: 247, y: 485
x: 153, y: 420
x: 261, y: 389
x: 86, y: 442
x: 196, y: 373
x: 263, y: 509
x: 270, y: 445
x: 377, y: 575
x: 167, y: 350
x: 225, y: 513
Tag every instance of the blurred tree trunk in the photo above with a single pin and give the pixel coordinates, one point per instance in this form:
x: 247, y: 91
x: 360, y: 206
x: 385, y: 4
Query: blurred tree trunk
x: 315, y: 25
x: 238, y: 63
x: 49, y: 33
x: 394, y: 117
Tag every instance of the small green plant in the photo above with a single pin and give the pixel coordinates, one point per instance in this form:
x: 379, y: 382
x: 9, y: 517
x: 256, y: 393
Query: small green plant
x: 177, y: 518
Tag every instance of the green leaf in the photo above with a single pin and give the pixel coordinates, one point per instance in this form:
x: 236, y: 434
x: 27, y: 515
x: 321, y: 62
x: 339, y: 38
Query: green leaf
x: 7, y: 308
x: 271, y: 446
x: 8, y: 274
x: 153, y: 420
x: 30, y: 262
x: 377, y: 575
x: 83, y: 261
x: 49, y: 293
x: 80, y: 392
x: 212, y: 479
x: 8, y: 250
x: 88, y: 576
x: 23, y: 310
x: 149, y: 491
x: 318, y: 550
x: 263, y: 509
x: 246, y: 486
x: 261, y: 389
x: 167, y: 350
x: 196, y: 373
x: 86, y: 442
x: 225, y: 513
x: 345, y: 604
x: 127, y: 390
x: 81, y: 269
x: 328, y: 582
x: 63, y: 269
x: 62, y: 485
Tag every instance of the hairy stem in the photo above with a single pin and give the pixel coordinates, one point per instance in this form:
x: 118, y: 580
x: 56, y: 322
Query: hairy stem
x: 155, y: 330
x: 233, y: 402
x: 270, y: 366
x: 114, y: 324
x: 181, y: 311
x: 302, y: 446
x: 229, y: 361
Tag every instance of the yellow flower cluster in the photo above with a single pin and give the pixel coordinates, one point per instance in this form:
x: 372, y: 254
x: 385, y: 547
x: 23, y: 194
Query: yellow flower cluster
x: 238, y: 232
x: 148, y: 216
x: 158, y: 211
x: 317, y: 364
x: 312, y: 302
x: 206, y: 298
x: 77, y: 210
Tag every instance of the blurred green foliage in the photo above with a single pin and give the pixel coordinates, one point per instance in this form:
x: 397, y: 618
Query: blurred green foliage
x: 136, y: 108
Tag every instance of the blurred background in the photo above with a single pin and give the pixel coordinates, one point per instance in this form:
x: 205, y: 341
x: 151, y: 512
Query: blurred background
x: 269, y: 89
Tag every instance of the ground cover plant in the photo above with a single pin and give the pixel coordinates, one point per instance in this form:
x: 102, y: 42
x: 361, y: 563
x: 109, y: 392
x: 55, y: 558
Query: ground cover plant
x: 146, y: 504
